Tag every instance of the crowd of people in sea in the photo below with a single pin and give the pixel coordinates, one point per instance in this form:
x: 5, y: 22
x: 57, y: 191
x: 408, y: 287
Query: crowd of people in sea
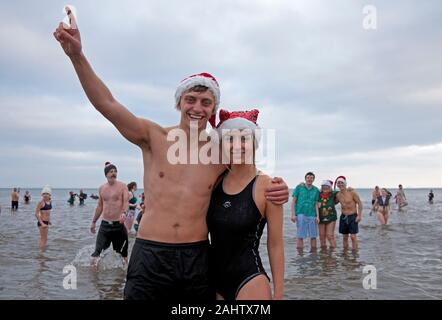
x: 313, y: 211
x: 315, y: 214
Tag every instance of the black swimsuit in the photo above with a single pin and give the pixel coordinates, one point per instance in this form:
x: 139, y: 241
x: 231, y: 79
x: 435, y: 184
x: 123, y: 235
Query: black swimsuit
x: 383, y: 203
x: 235, y: 227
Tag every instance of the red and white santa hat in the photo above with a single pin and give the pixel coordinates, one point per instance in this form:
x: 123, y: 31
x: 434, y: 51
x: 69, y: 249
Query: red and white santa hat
x: 327, y: 183
x: 342, y: 179
x: 235, y: 120
x: 200, y: 79
x: 238, y: 120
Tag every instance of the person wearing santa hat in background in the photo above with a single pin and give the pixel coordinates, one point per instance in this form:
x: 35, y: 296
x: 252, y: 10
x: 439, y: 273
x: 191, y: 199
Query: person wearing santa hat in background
x: 327, y: 214
x: 43, y: 214
x: 179, y: 193
x: 351, y: 212
x: 237, y: 215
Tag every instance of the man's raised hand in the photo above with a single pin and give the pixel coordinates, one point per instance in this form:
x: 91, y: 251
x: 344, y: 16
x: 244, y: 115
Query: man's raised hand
x: 69, y: 36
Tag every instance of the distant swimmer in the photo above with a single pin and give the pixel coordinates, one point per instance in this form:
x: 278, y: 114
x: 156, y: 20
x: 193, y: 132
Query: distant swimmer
x: 94, y: 196
x: 14, y: 199
x: 431, y: 196
x: 43, y: 215
x: 142, y: 207
x: 71, y: 199
x: 374, y: 196
x: 401, y: 199
x: 351, y: 208
x: 383, y: 206
x: 81, y: 197
x: 132, y: 187
x: 139, y: 216
x: 113, y: 204
x: 27, y: 197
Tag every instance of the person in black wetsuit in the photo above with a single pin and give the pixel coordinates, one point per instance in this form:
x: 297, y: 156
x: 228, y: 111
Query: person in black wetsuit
x: 237, y: 215
x: 81, y: 197
x: 71, y: 199
x: 430, y: 196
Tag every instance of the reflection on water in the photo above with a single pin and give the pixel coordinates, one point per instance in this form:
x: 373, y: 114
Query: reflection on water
x: 407, y: 254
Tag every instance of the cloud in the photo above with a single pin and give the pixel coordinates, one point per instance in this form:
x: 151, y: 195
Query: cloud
x: 326, y: 85
x: 413, y: 166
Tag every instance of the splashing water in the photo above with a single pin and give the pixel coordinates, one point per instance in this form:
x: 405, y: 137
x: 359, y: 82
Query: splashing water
x: 109, y: 259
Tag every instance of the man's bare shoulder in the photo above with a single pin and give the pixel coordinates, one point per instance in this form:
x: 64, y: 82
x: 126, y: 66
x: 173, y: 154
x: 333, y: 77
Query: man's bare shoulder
x: 153, y: 126
x: 102, y: 187
x: 354, y: 193
x: 159, y: 133
x: 122, y: 185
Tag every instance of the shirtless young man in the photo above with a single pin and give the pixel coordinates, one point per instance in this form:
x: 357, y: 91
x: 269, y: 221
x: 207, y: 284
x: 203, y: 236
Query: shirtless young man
x: 170, y: 255
x: 351, y: 212
x: 113, y: 204
x: 14, y: 199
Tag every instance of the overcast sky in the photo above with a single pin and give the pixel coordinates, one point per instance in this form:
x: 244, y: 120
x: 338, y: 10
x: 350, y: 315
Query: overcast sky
x: 343, y: 100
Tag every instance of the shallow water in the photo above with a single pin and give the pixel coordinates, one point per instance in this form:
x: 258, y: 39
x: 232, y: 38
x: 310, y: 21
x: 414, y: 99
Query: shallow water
x: 407, y: 255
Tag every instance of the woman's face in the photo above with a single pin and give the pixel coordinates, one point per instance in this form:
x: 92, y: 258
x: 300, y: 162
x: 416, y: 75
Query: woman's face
x: 326, y: 189
x: 384, y: 192
x: 238, y: 146
x: 46, y: 197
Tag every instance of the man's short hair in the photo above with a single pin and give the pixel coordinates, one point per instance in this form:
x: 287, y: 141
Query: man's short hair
x: 197, y: 88
x: 309, y: 174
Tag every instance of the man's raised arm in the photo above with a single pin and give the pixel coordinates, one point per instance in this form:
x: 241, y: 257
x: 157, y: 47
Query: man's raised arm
x: 134, y: 129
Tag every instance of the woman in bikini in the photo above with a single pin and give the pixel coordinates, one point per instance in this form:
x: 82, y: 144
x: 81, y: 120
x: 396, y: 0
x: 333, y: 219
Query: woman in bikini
x: 43, y: 215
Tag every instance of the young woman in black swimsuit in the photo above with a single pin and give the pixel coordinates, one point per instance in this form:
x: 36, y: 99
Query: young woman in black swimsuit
x: 236, y: 218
